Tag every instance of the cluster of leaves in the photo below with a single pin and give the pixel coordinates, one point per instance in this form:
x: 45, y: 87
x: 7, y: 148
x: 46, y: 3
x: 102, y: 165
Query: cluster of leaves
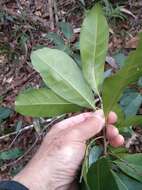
x: 113, y: 11
x: 70, y: 89
x: 123, y: 173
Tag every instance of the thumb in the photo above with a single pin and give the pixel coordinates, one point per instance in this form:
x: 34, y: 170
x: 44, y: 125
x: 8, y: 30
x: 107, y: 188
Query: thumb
x: 90, y: 127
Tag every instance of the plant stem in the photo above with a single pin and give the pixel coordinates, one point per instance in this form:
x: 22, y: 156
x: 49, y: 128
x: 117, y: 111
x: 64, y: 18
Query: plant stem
x: 105, y: 140
x: 104, y: 130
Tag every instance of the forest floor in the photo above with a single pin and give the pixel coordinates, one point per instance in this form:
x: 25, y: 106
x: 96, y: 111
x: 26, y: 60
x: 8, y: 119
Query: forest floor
x: 24, y: 25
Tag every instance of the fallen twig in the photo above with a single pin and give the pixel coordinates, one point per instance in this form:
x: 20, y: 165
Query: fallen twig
x: 20, y: 158
x: 46, y: 123
x: 23, y: 130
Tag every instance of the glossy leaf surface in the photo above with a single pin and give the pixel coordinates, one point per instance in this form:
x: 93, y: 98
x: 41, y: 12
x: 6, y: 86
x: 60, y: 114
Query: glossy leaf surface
x: 125, y: 182
x: 131, y: 165
x: 100, y: 176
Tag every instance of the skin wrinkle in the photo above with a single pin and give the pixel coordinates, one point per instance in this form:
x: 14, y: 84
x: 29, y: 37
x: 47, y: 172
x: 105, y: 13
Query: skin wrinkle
x: 56, y: 163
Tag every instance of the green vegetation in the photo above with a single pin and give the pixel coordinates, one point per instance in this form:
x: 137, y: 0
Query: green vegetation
x: 70, y: 89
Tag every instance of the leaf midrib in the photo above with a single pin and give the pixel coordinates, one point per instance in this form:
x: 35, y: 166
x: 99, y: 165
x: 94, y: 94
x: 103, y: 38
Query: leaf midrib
x: 94, y: 54
x: 113, y: 173
x: 72, y: 86
x: 44, y: 104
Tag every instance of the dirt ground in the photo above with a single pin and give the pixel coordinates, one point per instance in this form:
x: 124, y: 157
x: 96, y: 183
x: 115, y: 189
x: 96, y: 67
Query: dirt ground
x: 23, y: 26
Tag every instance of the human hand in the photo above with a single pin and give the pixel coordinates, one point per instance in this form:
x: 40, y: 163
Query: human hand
x: 57, y: 161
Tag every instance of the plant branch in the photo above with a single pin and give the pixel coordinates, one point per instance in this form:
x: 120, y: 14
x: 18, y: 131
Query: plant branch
x: 105, y: 140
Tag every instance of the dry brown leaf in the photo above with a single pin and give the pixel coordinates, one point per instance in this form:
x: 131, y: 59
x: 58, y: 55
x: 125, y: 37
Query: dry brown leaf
x: 132, y: 43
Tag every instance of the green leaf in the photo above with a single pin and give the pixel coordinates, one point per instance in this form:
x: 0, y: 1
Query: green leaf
x: 67, y: 29
x: 94, y: 154
x: 76, y: 58
x: 120, y: 59
x: 77, y: 45
x: 93, y: 46
x: 100, y: 176
x: 131, y: 103
x: 42, y: 103
x: 4, y: 113
x: 131, y: 165
x: 127, y: 97
x: 133, y: 107
x: 118, y: 151
x: 131, y: 121
x: 56, y: 39
x: 127, y: 132
x: 63, y: 76
x: 83, y: 2
x: 11, y: 154
x: 120, y: 184
x: 125, y: 182
x: 128, y: 74
x: 83, y: 186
